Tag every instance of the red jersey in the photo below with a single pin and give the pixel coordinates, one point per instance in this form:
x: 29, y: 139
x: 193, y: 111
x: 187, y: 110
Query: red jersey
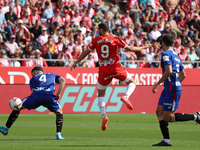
x: 106, y: 48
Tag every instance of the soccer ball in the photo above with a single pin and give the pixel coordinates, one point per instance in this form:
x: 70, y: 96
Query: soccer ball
x: 15, y: 103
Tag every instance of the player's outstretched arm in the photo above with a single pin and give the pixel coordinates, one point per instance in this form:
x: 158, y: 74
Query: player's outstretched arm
x: 135, y: 49
x: 81, y: 57
x: 61, y: 87
x: 167, y: 73
x: 182, y: 75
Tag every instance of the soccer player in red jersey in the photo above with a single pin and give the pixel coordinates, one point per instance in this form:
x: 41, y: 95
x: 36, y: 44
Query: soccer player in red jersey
x: 106, y: 48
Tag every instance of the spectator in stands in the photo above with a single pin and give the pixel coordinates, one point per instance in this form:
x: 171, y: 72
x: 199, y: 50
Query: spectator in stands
x: 101, y: 9
x: 193, y: 56
x: 28, y: 49
x: 150, y: 55
x: 26, y: 19
x: 43, y: 38
x: 28, y: 63
x: 17, y: 9
x: 66, y: 17
x: 83, y: 27
x: 122, y: 56
x: 131, y: 39
x: 108, y: 20
x: 34, y: 16
x: 11, y: 20
x: 13, y: 46
x: 197, y: 47
x: 133, y: 7
x: 173, y: 27
x: 50, y: 51
x: 183, y: 54
x: 77, y: 18
x: 177, y: 46
x: 143, y: 4
x: 43, y: 17
x: 90, y: 61
x: 27, y: 8
x: 171, y: 6
x: 36, y: 30
x: 157, y: 63
x: 38, y: 4
x: 3, y: 23
x: 15, y: 63
x: 115, y: 19
x: 195, y: 23
x: 75, y: 53
x: 21, y: 32
x: 72, y: 25
x: 126, y: 18
x: 48, y: 11
x: 91, y: 10
x: 3, y: 62
x: 56, y: 18
x: 187, y: 65
x: 88, y: 37
x: 131, y: 64
x: 140, y: 38
x: 111, y: 11
x: 51, y: 30
x: 66, y: 37
x: 94, y: 30
x: 87, y: 19
x: 143, y: 64
x: 126, y: 28
x: 60, y: 43
x: 5, y: 7
x: 160, y: 14
x: 71, y: 44
x: 40, y: 61
x: 66, y: 56
x: 83, y: 10
x: 185, y: 5
x: 138, y: 29
x: 96, y: 18
x: 147, y: 18
x: 117, y: 31
x: 56, y: 34
x: 154, y: 34
x: 166, y: 29
x: 185, y: 40
x: 190, y: 14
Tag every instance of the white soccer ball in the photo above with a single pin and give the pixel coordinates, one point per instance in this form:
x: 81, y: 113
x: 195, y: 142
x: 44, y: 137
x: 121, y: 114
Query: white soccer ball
x: 15, y: 103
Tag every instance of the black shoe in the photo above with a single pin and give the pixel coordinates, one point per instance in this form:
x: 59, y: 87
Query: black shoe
x: 162, y: 143
x: 198, y: 117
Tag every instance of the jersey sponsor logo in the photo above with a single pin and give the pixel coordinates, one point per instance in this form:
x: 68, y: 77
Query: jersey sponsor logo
x: 178, y: 83
x: 166, y: 58
x: 69, y: 76
x: 176, y: 59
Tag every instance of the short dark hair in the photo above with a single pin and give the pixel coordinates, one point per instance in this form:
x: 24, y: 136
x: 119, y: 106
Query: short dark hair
x: 37, y: 68
x: 168, y: 40
x: 104, y: 27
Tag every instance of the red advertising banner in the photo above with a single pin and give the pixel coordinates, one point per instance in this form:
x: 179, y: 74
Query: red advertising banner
x: 88, y: 76
x: 83, y: 99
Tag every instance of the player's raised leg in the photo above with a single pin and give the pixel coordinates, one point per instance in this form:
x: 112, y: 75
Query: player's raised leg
x: 59, y: 124
x: 102, y: 104
x: 130, y: 89
x: 11, y: 119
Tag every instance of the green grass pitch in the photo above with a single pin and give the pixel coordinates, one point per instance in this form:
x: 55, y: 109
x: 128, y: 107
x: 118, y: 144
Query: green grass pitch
x: 83, y: 131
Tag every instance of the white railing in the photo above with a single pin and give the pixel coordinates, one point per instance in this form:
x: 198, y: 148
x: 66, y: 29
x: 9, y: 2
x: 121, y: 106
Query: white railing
x: 56, y: 60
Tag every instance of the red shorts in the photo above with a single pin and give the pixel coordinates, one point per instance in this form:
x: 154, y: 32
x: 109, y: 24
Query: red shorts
x: 107, y: 73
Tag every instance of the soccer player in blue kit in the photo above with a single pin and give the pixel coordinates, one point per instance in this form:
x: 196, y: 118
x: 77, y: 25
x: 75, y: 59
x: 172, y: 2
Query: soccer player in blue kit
x: 43, y: 93
x: 173, y: 75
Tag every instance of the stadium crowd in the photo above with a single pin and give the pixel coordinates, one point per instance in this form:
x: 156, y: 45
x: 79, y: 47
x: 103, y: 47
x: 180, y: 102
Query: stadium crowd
x: 45, y: 30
